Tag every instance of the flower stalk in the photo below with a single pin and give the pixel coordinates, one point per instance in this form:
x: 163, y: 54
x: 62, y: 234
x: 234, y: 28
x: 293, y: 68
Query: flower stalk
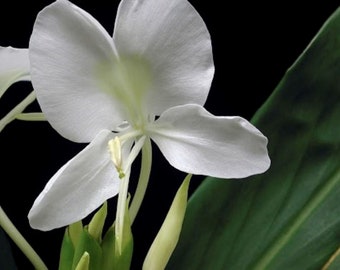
x: 121, y: 207
x: 142, y: 181
x: 20, y: 241
x: 17, y: 110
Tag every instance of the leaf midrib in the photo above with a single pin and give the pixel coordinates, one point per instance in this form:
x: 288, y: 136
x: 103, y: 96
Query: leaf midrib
x: 306, y: 211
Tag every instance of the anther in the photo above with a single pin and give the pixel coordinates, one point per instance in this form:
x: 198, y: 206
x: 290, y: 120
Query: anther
x: 115, y: 148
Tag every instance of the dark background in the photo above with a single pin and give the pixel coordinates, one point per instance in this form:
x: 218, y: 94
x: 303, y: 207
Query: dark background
x: 253, y: 45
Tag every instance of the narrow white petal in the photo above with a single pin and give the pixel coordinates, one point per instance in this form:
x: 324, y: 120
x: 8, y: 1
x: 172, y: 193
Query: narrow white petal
x: 14, y: 67
x: 197, y: 142
x: 68, y: 50
x: 174, y: 40
x: 78, y: 188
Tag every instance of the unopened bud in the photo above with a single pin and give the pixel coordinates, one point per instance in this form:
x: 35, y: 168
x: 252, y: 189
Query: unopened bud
x: 84, y: 262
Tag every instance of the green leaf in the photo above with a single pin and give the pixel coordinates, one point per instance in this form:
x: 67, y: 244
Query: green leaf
x: 288, y: 217
x: 334, y: 261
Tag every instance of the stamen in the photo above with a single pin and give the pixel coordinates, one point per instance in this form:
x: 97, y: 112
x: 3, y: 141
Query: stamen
x: 115, y: 148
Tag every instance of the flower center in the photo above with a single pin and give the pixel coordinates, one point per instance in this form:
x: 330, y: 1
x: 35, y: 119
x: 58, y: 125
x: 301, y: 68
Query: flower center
x: 124, y: 149
x: 127, y: 80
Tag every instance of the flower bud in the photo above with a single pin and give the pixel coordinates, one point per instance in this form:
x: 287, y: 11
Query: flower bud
x: 167, y: 237
x: 84, y: 262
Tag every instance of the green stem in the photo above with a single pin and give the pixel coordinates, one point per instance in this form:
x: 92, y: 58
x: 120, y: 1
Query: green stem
x: 120, y: 214
x: 37, y: 116
x: 17, y: 110
x: 300, y: 219
x: 143, y: 179
x: 20, y: 241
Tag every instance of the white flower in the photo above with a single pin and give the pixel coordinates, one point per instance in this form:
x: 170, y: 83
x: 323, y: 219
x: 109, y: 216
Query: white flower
x: 149, y: 81
x: 14, y: 67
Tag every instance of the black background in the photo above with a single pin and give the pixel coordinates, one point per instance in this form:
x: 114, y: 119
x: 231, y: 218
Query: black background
x: 253, y: 43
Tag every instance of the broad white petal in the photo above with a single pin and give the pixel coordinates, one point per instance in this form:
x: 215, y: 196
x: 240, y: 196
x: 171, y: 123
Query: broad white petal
x: 78, y: 188
x: 14, y: 67
x: 68, y: 51
x: 174, y: 40
x: 197, y: 142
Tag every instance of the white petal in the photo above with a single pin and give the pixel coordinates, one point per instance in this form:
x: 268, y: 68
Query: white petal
x: 197, y: 142
x: 68, y: 50
x: 172, y: 37
x: 78, y: 188
x: 14, y: 67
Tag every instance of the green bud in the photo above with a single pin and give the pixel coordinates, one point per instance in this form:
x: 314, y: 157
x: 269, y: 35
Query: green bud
x: 67, y: 252
x: 84, y: 248
x: 167, y: 237
x: 95, y: 227
x: 84, y: 262
x: 89, y: 245
x: 79, y: 241
x: 74, y: 232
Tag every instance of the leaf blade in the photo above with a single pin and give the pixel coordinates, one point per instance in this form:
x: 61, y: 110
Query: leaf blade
x: 247, y: 219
